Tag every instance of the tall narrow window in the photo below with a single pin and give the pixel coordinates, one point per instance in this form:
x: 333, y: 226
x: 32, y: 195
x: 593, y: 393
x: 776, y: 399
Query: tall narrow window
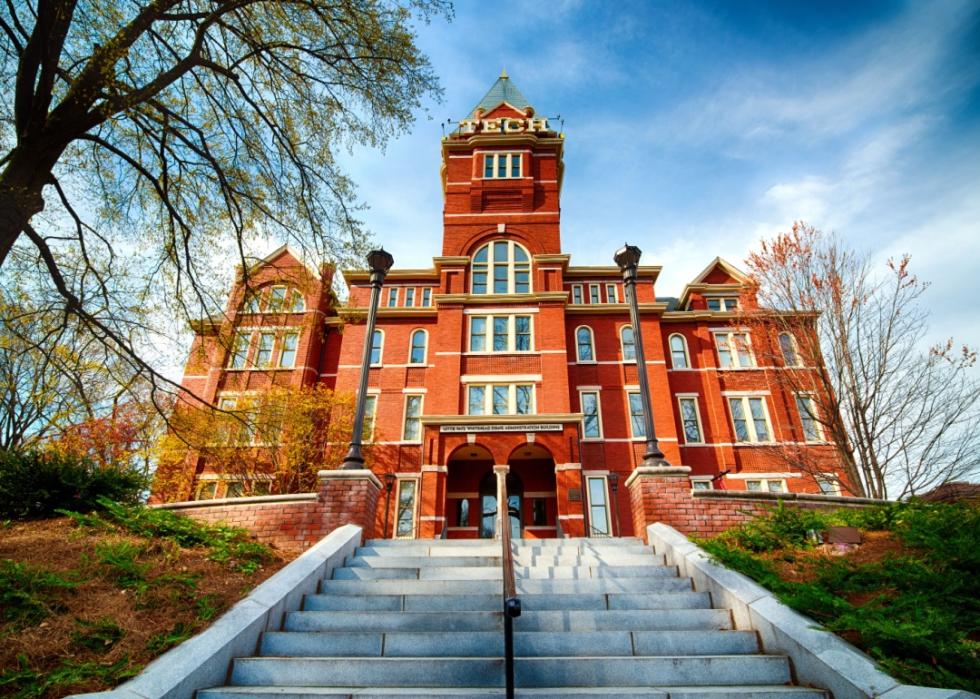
x: 593, y: 293
x: 678, y: 352
x: 788, y: 348
x: 812, y: 430
x: 523, y: 396
x: 583, y: 341
x: 733, y: 350
x: 409, y: 297
x: 502, y: 165
x: 405, y: 517
x: 637, y: 423
x: 296, y: 302
x: 412, y: 431
x: 253, y: 302
x: 277, y: 299
x: 427, y: 297
x: 370, y: 417
x: 501, y: 400
x: 377, y: 346
x: 577, y: 294
x: 591, y: 424
x: 500, y: 333
x: 478, y: 334
x: 416, y: 354
x: 462, y: 512
x: 287, y: 355
x: 628, y: 341
x: 598, y: 507
x: 611, y: 296
x: 239, y: 350
x: 522, y: 333
x: 749, y: 419
x: 475, y: 399
x: 691, y: 420
x: 488, y: 165
x: 506, y: 263
x: 263, y: 357
x: 392, y: 297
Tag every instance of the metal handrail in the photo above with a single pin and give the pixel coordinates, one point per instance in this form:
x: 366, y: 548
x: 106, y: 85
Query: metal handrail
x: 512, y: 605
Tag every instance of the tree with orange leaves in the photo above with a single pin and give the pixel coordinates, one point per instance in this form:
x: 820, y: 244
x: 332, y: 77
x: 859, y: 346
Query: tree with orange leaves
x: 904, y: 417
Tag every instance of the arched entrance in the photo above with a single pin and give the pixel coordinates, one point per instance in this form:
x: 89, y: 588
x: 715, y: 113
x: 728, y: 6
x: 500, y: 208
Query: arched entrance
x: 533, y: 466
x: 465, y: 468
x: 488, y: 505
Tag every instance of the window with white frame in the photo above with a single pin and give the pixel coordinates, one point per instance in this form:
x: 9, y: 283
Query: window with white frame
x: 377, y: 347
x: 690, y: 419
x: 787, y: 345
x: 501, y: 267
x: 427, y: 297
x: 734, y: 351
x: 598, y: 507
x: 277, y: 299
x: 500, y: 399
x: 287, y: 352
x: 577, y: 294
x: 611, y: 295
x: 409, y: 297
x: 702, y: 484
x: 628, y: 342
x: 253, y: 302
x: 637, y: 422
x: 723, y: 304
x: 239, y: 350
x: 392, y: 297
x: 498, y: 166
x: 585, y: 344
x: 412, y: 427
x: 678, y: 352
x: 593, y: 293
x: 405, y: 511
x: 766, y: 485
x: 297, y: 304
x: 510, y: 333
x: 416, y: 352
x: 829, y: 484
x: 370, y: 417
x: 591, y: 418
x: 750, y: 419
x: 812, y: 429
x: 263, y: 354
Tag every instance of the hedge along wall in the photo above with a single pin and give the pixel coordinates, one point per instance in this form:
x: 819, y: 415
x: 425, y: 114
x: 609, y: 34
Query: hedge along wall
x: 663, y: 494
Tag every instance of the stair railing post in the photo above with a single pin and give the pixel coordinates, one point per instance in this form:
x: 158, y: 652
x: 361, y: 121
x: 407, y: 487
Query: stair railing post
x: 511, y: 604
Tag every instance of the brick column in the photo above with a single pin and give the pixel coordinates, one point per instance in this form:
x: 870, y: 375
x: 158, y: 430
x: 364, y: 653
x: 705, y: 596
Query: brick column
x: 660, y: 494
x: 348, y: 497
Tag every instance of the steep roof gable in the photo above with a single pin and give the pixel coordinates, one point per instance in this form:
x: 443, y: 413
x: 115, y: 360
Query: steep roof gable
x: 720, y: 271
x: 502, y: 92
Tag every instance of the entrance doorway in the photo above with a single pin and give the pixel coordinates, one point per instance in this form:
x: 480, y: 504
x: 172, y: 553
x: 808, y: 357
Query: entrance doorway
x: 533, y: 466
x: 488, y: 505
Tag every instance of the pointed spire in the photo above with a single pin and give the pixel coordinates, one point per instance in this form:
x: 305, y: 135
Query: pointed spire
x: 503, y: 90
x: 503, y: 73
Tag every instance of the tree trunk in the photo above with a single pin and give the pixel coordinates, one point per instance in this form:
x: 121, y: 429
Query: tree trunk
x: 21, y: 192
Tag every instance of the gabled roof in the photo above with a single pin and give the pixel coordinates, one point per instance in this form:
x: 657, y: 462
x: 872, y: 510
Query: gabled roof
x: 731, y: 270
x: 503, y: 91
x: 284, y: 250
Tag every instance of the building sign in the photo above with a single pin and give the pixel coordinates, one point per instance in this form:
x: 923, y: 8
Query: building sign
x: 503, y: 125
x: 525, y: 427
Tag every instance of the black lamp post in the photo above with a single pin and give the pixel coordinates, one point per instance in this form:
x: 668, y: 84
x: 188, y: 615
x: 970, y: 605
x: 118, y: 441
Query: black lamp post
x: 389, y: 484
x: 379, y: 262
x: 614, y: 487
x: 628, y: 257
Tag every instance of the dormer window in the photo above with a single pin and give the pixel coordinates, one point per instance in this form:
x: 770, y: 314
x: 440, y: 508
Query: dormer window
x: 501, y: 166
x: 503, y: 266
x: 723, y: 304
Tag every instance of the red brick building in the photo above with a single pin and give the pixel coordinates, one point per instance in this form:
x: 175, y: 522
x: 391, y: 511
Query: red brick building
x: 505, y: 352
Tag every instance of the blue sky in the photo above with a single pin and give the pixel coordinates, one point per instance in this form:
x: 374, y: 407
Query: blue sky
x: 695, y: 129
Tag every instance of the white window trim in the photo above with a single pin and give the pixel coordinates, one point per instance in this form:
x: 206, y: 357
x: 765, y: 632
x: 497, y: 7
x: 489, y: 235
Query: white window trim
x: 607, y: 504
x: 831, y: 479
x: 615, y: 293
x: 425, y: 347
x: 764, y: 485
x: 633, y: 391
x: 392, y: 290
x: 622, y: 344
x: 703, y: 479
x: 410, y: 293
x: 578, y: 357
x: 376, y: 394
x: 511, y: 268
x: 282, y: 348
x: 427, y: 297
x: 511, y: 397
x: 597, y: 295
x: 796, y: 349
x: 246, y: 364
x: 495, y: 157
x: 488, y: 335
x: 409, y: 396
x: 697, y: 414
x: 730, y: 337
x: 285, y: 296
x: 272, y: 350
x: 821, y: 435
x: 670, y: 351
x: 415, y: 507
x: 598, y: 406
x: 581, y: 297
x: 749, y: 420
x: 381, y: 348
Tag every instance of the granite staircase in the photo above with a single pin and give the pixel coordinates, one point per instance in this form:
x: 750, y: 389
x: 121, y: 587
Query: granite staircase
x: 602, y: 618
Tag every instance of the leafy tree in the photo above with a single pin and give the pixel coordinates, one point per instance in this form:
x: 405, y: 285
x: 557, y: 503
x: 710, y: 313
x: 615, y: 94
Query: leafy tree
x: 904, y: 418
x: 161, y: 136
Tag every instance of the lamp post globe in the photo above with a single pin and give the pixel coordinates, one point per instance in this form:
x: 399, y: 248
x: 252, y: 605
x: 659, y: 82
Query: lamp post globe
x: 379, y: 262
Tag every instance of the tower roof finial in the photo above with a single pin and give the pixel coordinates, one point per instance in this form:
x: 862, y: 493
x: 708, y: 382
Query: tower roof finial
x: 503, y: 73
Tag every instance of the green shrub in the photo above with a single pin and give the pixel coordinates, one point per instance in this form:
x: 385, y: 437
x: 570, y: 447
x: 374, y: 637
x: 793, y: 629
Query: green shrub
x: 28, y: 594
x: 34, y: 485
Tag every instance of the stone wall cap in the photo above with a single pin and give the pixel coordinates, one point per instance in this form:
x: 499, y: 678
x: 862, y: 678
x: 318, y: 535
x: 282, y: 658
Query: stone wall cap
x: 222, y: 502
x: 657, y: 471
x: 354, y: 474
x: 802, y: 497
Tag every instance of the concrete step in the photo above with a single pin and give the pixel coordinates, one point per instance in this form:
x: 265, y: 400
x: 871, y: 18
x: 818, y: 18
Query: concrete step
x: 491, y: 644
x: 613, y: 559
x: 488, y: 573
x: 569, y: 541
x: 740, y: 692
x: 492, y: 602
x: 359, y: 561
x: 524, y: 586
x: 550, y: 620
x: 392, y: 561
x: 718, y: 670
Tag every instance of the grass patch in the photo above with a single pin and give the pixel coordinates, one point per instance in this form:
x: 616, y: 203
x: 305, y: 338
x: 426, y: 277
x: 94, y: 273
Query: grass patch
x: 908, y: 596
x: 28, y: 593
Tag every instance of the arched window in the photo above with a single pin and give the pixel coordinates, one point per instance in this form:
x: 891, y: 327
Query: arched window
x: 628, y: 342
x: 585, y: 344
x: 377, y: 344
x: 416, y: 353
x: 297, y: 304
x: 501, y: 267
x: 678, y: 352
x: 787, y: 344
